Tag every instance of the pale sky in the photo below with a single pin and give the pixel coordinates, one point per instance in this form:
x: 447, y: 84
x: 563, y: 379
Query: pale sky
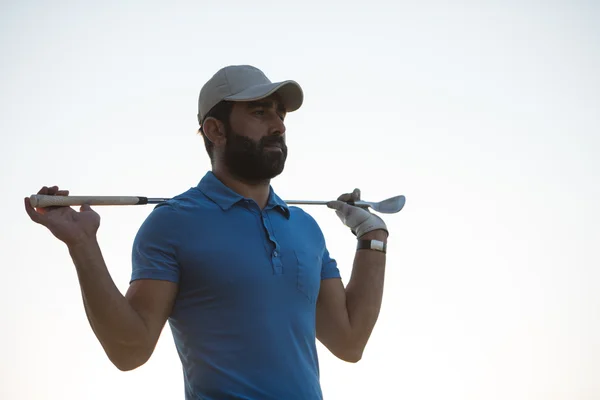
x: 486, y: 117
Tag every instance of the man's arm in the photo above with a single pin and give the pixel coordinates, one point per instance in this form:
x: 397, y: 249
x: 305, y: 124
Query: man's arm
x: 127, y: 327
x: 346, y: 316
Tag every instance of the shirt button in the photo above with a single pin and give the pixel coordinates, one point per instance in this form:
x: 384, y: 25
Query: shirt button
x: 275, y: 253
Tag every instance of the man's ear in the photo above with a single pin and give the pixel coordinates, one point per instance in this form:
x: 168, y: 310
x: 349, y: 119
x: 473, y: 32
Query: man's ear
x: 214, y: 130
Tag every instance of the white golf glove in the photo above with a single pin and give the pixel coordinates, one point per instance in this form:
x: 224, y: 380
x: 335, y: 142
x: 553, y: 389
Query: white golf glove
x: 358, y: 219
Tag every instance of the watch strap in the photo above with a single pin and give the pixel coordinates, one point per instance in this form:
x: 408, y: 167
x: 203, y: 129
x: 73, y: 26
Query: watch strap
x: 373, y: 244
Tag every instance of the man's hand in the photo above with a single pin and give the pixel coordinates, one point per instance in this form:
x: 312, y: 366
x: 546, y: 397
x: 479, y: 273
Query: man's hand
x: 66, y: 224
x: 358, y: 219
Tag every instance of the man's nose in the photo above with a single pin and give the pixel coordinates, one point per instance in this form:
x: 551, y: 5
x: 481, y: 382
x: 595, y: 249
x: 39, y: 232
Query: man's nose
x: 277, y: 126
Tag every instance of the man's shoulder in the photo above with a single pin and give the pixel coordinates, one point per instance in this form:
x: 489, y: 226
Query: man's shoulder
x: 191, y: 199
x: 300, y: 216
x: 179, y: 208
x: 301, y: 213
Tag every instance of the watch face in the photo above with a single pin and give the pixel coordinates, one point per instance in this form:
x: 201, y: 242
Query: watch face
x: 377, y: 245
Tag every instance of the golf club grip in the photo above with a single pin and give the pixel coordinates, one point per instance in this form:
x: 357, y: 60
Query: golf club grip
x: 41, y: 201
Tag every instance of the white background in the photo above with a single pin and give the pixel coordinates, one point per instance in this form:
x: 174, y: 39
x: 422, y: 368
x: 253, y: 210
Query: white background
x: 484, y: 115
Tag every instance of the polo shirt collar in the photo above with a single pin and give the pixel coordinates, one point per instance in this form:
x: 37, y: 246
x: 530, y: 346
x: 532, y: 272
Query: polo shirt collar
x: 226, y: 198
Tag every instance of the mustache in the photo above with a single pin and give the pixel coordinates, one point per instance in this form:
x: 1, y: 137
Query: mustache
x: 273, y: 141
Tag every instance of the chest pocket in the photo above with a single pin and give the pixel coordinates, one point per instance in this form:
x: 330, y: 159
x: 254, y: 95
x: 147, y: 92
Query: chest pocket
x: 308, y: 274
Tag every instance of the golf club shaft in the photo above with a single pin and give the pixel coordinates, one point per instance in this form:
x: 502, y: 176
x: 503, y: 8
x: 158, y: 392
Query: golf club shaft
x: 320, y: 202
x: 315, y: 202
x: 41, y: 201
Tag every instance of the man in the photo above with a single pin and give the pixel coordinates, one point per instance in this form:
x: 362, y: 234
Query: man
x: 246, y: 282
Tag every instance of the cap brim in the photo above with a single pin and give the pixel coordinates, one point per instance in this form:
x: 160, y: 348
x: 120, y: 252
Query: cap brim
x: 290, y: 93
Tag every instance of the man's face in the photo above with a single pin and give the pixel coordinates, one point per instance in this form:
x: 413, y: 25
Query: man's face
x: 255, y: 148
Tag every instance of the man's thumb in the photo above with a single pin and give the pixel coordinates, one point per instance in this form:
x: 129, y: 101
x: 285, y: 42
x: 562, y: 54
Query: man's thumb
x: 85, y: 207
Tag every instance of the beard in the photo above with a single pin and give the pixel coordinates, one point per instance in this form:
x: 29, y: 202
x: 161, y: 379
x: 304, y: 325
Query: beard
x: 250, y: 160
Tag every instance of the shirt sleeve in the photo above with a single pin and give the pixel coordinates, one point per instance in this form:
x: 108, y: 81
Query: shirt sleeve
x: 154, y: 252
x: 329, y: 268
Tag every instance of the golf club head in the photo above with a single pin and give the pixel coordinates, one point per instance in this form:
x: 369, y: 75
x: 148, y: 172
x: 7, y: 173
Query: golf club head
x: 391, y: 205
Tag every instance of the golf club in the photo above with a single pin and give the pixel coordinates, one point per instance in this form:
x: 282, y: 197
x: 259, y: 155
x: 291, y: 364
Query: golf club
x: 387, y: 206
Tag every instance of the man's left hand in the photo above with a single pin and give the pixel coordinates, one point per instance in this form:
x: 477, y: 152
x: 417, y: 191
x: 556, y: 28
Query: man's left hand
x: 358, y: 219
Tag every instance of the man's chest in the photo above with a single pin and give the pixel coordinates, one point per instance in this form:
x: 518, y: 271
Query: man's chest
x: 251, y: 261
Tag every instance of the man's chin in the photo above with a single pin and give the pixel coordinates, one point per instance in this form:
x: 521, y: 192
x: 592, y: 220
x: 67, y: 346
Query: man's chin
x: 257, y: 177
x: 272, y: 173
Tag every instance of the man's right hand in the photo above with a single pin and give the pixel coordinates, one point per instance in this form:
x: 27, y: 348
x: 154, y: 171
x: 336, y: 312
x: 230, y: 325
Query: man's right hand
x: 66, y: 224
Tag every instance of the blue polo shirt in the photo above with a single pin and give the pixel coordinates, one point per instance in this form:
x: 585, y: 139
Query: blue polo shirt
x: 244, y: 317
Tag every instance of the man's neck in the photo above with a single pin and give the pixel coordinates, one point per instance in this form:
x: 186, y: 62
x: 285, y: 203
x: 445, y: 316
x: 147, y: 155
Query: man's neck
x: 257, y: 191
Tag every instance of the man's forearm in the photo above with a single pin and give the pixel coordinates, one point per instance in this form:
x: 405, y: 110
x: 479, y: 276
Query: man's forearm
x: 119, y: 328
x: 364, y: 291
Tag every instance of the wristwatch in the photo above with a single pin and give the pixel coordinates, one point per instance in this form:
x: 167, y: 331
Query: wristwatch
x: 373, y: 244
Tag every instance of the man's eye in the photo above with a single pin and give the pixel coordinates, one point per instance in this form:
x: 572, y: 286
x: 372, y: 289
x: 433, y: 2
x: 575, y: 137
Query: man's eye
x: 259, y: 112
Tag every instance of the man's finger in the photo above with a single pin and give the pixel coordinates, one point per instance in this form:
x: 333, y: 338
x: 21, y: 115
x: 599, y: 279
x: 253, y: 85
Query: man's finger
x: 337, y: 205
x: 34, y: 215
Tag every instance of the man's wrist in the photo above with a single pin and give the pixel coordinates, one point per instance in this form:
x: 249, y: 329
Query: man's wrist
x: 371, y: 244
x: 375, y: 240
x: 83, y: 249
x: 377, y: 234
x: 83, y: 243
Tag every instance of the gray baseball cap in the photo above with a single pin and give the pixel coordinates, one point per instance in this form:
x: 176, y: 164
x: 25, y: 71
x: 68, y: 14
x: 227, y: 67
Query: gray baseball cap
x: 246, y: 83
